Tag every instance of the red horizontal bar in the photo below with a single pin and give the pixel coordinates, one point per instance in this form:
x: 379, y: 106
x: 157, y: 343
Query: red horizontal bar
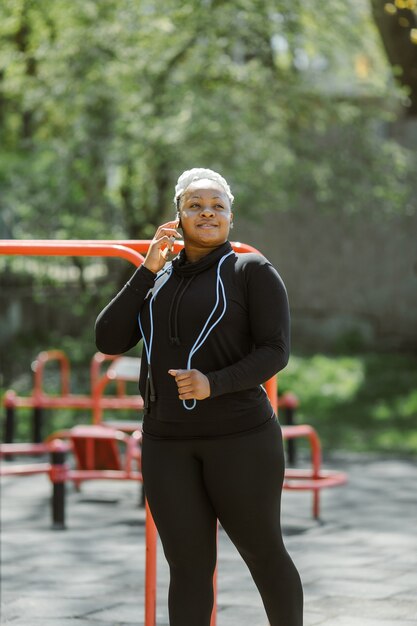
x: 138, y: 245
x: 69, y: 248
x: 25, y: 470
x: 103, y: 475
x: 300, y: 430
x: 74, y: 402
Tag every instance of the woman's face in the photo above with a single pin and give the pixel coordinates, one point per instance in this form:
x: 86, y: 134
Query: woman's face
x: 205, y: 213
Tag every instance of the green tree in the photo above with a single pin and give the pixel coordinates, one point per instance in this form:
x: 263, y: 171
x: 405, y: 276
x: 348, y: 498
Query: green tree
x: 104, y: 103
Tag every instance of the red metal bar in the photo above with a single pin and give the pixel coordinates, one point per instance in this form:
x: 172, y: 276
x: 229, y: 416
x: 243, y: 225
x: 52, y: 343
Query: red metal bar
x: 11, y: 449
x: 97, y: 395
x: 139, y: 245
x: 69, y: 248
x: 28, y: 469
x: 271, y: 390
x: 304, y: 430
x: 79, y: 475
x: 150, y: 569
x: 315, y: 479
x: 39, y: 368
x: 96, y: 401
x: 95, y: 367
x: 72, y: 401
x: 302, y: 480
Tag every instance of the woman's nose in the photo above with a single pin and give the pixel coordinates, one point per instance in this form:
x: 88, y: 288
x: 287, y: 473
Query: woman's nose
x: 207, y: 211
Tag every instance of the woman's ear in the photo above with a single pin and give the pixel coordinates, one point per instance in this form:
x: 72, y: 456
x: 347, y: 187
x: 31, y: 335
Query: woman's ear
x: 178, y: 217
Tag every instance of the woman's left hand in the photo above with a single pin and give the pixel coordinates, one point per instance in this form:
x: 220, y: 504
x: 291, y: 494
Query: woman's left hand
x: 192, y: 384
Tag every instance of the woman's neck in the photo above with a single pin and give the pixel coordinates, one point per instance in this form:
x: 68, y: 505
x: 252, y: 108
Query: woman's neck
x: 195, y: 253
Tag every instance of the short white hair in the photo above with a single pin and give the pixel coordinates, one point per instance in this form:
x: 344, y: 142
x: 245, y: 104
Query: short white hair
x: 200, y: 173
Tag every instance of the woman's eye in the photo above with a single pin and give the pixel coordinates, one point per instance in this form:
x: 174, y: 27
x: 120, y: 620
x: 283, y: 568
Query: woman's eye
x: 197, y: 206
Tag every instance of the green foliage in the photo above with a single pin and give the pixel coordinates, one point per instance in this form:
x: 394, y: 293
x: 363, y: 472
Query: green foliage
x: 104, y: 103
x: 362, y: 403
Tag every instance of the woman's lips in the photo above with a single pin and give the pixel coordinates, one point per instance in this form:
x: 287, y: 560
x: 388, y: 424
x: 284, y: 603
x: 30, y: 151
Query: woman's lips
x: 206, y: 225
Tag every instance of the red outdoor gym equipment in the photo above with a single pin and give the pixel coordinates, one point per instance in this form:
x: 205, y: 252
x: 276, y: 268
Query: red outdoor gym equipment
x: 120, y: 370
x: 313, y: 480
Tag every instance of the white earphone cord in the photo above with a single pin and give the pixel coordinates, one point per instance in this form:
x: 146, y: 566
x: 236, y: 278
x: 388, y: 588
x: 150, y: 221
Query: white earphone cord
x: 202, y: 337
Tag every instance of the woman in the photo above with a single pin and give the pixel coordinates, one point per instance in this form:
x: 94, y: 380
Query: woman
x: 215, y: 326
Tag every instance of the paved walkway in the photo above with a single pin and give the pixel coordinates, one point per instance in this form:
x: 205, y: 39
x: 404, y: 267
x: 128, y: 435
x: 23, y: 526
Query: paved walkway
x: 358, y: 566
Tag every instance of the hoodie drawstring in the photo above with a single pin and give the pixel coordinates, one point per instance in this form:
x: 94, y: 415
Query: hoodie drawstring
x: 201, y: 339
x: 173, y: 312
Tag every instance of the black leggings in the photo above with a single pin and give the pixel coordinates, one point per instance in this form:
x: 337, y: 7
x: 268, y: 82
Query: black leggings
x: 237, y: 479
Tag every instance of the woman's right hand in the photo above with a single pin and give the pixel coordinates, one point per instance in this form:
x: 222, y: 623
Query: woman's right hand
x: 161, y: 245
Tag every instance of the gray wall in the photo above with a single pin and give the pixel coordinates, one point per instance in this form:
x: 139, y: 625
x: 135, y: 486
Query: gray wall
x: 352, y: 281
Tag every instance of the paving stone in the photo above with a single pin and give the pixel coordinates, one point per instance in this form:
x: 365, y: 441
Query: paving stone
x: 64, y: 622
x: 357, y: 563
x: 244, y: 614
x: 124, y: 612
x: 349, y: 620
x: 387, y: 608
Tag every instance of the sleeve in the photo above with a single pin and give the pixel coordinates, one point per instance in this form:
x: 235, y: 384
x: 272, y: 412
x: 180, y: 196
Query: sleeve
x: 117, y: 328
x: 269, y: 320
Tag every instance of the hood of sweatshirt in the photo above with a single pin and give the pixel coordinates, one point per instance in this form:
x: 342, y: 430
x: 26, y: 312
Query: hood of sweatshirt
x: 187, y: 272
x: 183, y: 267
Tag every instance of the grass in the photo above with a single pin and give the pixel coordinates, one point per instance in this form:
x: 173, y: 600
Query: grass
x: 357, y: 403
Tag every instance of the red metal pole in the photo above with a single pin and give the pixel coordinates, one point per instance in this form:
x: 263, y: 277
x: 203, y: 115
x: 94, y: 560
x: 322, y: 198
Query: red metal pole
x: 316, y: 463
x: 150, y: 569
x: 138, y: 245
x: 39, y: 368
x: 271, y: 390
x: 69, y: 248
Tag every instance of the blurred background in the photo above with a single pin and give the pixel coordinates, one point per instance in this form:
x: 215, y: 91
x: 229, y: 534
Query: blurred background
x: 309, y: 110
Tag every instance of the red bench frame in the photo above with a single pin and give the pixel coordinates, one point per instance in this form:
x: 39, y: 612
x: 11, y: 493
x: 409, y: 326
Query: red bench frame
x: 95, y: 402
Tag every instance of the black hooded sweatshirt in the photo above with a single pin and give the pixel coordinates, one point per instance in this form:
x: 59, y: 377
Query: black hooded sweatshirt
x: 249, y: 344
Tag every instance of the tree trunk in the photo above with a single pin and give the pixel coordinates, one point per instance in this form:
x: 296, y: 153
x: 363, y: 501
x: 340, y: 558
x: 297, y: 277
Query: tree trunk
x: 22, y: 37
x: 395, y: 28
